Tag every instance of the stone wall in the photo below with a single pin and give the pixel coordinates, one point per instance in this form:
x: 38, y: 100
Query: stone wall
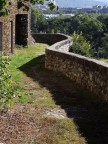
x: 89, y: 73
x: 48, y: 38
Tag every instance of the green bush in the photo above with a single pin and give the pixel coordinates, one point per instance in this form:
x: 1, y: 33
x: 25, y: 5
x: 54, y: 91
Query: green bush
x: 6, y: 83
x: 103, y: 50
x: 80, y: 45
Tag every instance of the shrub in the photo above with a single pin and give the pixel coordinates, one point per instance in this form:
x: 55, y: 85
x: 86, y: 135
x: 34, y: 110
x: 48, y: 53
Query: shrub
x: 80, y: 45
x: 6, y: 83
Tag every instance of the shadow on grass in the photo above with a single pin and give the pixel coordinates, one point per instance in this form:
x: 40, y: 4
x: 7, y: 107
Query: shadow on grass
x: 90, y: 116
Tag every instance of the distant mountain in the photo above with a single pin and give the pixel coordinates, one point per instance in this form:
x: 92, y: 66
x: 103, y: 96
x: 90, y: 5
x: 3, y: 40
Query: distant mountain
x: 80, y: 3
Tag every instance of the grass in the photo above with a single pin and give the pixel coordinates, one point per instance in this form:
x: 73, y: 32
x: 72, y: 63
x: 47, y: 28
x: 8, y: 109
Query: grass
x: 50, y: 109
x: 104, y: 60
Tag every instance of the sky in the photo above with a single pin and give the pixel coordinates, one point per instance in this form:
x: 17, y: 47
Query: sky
x: 102, y: 0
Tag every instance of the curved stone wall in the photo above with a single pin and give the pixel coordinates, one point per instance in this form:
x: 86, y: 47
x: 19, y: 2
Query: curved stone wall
x: 89, y: 73
x: 48, y: 38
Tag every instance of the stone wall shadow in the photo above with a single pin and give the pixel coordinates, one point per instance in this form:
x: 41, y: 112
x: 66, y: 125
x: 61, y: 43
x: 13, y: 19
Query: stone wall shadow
x: 90, y: 117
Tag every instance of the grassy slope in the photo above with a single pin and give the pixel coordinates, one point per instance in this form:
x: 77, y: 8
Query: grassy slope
x: 41, y: 91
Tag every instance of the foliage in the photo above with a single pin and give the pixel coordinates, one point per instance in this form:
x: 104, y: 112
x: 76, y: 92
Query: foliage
x: 90, y: 26
x: 38, y: 21
x: 104, y: 20
x: 6, y: 83
x: 80, y: 45
x: 93, y: 28
x: 103, y: 50
x: 60, y: 24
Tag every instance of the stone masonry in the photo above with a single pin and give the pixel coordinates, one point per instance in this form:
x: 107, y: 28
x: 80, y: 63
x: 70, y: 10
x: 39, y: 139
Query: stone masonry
x: 89, y: 73
x: 14, y: 29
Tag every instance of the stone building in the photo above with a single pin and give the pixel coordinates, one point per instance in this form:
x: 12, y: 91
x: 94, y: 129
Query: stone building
x: 14, y: 28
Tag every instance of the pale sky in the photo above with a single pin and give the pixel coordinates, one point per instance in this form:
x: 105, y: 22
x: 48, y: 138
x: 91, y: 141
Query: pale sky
x: 103, y: 0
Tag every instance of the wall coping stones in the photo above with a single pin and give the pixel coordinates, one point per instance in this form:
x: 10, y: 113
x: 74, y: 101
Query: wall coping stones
x: 55, y: 47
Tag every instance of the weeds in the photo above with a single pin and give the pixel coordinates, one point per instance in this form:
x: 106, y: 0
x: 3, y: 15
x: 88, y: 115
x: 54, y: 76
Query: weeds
x: 6, y: 83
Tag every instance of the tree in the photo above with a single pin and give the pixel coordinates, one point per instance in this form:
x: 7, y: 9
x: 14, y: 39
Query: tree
x: 4, y: 4
x: 60, y: 24
x: 104, y: 20
x: 103, y: 50
x: 80, y: 45
x: 38, y: 21
x: 90, y: 27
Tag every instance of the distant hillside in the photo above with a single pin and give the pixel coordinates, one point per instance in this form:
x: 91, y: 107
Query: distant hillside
x: 79, y: 3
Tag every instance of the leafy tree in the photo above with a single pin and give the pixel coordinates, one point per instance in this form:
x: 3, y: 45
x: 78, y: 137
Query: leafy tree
x: 104, y: 20
x: 80, y: 45
x: 103, y: 50
x: 59, y: 24
x: 90, y: 27
x: 38, y: 21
